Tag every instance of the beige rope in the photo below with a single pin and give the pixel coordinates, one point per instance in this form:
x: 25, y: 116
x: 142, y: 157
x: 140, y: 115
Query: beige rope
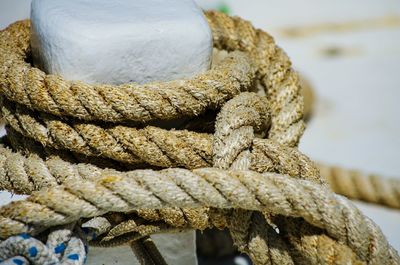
x: 234, y: 131
x: 310, y: 245
x: 119, y: 238
x: 81, y: 170
x: 356, y: 185
x: 179, y: 197
x: 148, y: 189
x: 235, y: 126
x: 273, y: 70
x: 29, y: 86
x: 32, y: 173
x: 33, y: 88
x: 227, y: 123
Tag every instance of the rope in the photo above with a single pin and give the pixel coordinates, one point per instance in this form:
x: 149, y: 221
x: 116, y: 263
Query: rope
x: 82, y: 172
x: 273, y: 72
x: 195, y: 149
x: 146, y: 189
x: 310, y: 245
x: 51, y: 94
x: 237, y: 120
x: 222, y: 180
x: 29, y: 86
x: 235, y: 126
x: 356, y: 185
x: 32, y: 173
x: 62, y: 247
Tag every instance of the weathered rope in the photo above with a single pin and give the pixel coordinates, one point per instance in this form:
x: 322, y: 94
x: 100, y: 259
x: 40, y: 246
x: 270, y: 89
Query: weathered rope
x: 310, y: 245
x: 236, y: 124
x: 94, y: 120
x: 107, y: 147
x: 31, y: 87
x: 129, y: 145
x: 273, y: 72
x: 356, y: 185
x: 32, y: 173
x: 33, y: 163
x: 69, y: 169
x: 146, y: 189
x: 235, y: 128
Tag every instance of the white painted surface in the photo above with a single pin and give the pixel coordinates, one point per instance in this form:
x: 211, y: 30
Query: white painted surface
x: 357, y: 120
x: 120, y: 41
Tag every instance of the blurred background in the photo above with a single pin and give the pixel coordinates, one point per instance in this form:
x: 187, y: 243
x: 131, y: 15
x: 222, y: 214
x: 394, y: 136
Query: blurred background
x: 349, y: 50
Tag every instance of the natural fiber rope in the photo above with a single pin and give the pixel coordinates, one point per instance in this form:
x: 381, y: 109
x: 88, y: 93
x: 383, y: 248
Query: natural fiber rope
x: 165, y: 116
x: 32, y: 173
x: 146, y: 189
x: 235, y: 129
x: 49, y: 93
x: 31, y: 87
x: 310, y: 245
x: 273, y: 72
x: 140, y: 190
x: 238, y: 119
x: 33, y: 164
x: 273, y: 242
x: 356, y: 185
x: 151, y: 145
x: 65, y: 170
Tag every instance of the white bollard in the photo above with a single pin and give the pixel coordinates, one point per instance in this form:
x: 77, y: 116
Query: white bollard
x: 120, y: 41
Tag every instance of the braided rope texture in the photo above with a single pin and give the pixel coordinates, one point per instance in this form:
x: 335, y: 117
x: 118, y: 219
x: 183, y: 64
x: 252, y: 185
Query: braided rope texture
x: 229, y: 179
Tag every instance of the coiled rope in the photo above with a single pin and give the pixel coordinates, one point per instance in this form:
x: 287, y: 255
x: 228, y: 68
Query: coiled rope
x: 255, y: 186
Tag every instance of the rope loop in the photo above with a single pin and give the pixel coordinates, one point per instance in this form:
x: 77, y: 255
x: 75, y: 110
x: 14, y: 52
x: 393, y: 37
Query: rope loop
x: 116, y: 164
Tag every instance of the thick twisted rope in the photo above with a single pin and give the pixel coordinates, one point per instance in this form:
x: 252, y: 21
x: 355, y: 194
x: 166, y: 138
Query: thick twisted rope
x: 236, y: 125
x: 356, y: 185
x: 33, y: 166
x: 266, y: 163
x: 66, y: 169
x: 49, y: 93
x: 273, y: 70
x: 174, y: 192
x: 146, y: 189
x: 33, y: 88
x: 151, y: 145
x: 23, y: 175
